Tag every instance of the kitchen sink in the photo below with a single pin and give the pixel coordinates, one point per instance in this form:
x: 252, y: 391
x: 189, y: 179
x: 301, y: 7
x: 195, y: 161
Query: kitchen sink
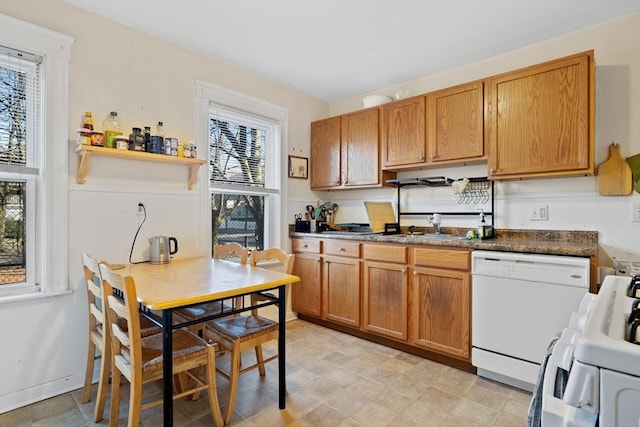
x: 432, y: 236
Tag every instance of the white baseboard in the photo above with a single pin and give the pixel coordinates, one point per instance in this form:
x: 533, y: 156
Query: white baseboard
x: 40, y: 392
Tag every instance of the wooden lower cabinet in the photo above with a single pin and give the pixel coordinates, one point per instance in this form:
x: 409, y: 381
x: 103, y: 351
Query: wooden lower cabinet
x: 415, y: 298
x: 441, y: 294
x: 441, y: 310
x: 386, y: 291
x: 342, y: 290
x: 306, y: 295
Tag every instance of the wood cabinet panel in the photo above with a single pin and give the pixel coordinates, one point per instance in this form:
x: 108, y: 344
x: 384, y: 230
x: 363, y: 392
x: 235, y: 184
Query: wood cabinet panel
x: 388, y: 253
x: 306, y: 296
x: 441, y: 308
x: 342, y: 248
x: 306, y: 245
x: 403, y: 133
x: 360, y: 138
x: 385, y: 299
x: 540, y: 120
x: 341, y: 289
x: 455, y: 123
x: 456, y: 259
x: 326, y: 166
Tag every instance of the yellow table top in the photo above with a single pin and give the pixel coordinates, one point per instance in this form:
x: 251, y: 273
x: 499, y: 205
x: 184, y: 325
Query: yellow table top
x: 188, y: 281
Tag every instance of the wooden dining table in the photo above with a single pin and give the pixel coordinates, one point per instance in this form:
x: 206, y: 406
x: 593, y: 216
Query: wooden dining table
x: 181, y: 283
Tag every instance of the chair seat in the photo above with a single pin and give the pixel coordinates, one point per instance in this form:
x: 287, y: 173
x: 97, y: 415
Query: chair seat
x: 201, y: 310
x: 242, y: 327
x: 186, y: 345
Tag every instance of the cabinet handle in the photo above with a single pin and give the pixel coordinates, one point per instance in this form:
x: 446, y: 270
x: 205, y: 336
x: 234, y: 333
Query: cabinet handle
x: 342, y: 249
x: 305, y: 246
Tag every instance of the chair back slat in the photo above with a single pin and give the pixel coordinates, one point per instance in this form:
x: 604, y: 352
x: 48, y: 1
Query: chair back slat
x: 125, y: 308
x: 231, y: 250
x: 94, y: 291
x: 272, y: 254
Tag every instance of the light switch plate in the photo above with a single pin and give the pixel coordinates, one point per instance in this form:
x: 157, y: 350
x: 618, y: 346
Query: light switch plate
x: 635, y: 212
x: 539, y: 213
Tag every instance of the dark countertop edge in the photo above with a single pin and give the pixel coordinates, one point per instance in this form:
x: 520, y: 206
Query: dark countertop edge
x: 503, y: 242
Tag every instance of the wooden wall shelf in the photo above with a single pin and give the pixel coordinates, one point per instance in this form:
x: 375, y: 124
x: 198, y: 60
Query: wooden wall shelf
x: 86, y: 151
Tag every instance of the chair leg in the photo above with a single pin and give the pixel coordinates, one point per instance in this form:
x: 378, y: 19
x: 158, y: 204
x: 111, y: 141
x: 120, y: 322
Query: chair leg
x: 260, y: 359
x: 114, y: 415
x: 88, y: 375
x: 234, y: 374
x: 213, y: 393
x: 103, y: 385
x: 135, y: 400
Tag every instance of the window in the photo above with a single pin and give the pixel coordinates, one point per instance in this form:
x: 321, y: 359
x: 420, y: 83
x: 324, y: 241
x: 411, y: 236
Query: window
x: 33, y: 157
x: 238, y: 147
x: 244, y: 137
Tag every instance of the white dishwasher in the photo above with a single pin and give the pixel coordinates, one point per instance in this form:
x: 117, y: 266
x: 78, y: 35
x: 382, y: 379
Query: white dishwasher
x: 519, y: 302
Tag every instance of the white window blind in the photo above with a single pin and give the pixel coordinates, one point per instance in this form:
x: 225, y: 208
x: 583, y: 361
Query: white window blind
x: 20, y: 102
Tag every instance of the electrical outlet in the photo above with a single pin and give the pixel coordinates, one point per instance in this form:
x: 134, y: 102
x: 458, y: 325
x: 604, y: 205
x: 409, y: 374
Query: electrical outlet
x: 539, y: 213
x: 140, y: 210
x: 635, y: 212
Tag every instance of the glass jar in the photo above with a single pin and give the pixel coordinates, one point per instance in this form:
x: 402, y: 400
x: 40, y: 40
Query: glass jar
x: 136, y: 140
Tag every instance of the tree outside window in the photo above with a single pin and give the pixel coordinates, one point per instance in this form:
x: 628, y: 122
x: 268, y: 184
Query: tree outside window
x: 237, y: 176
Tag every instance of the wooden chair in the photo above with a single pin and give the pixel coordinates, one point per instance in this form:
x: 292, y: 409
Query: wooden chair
x: 99, y: 337
x: 227, y: 251
x: 139, y: 359
x: 240, y: 333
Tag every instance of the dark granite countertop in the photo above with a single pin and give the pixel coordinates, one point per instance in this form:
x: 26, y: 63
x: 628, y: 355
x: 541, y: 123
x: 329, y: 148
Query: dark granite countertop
x: 551, y: 242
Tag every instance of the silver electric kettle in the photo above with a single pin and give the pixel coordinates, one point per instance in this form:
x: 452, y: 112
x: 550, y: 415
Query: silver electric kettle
x: 160, y: 249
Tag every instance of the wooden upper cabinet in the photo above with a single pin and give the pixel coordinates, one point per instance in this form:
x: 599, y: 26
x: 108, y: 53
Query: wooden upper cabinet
x: 539, y: 120
x: 361, y: 148
x: 455, y: 123
x: 345, y: 152
x: 326, y: 167
x: 403, y: 133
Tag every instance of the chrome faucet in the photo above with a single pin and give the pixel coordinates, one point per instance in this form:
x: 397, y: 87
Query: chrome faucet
x: 436, y: 219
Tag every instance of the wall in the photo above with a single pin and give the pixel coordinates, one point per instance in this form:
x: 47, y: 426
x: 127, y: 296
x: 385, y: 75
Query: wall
x: 573, y: 203
x: 43, y: 342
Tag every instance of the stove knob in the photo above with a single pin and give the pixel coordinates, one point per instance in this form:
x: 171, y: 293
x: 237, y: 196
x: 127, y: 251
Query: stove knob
x: 587, y: 302
x: 577, y: 321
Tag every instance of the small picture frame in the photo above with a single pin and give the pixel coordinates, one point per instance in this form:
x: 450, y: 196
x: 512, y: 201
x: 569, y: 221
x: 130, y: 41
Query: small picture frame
x: 298, y: 167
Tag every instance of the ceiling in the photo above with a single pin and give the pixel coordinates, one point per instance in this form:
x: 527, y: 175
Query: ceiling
x: 334, y: 49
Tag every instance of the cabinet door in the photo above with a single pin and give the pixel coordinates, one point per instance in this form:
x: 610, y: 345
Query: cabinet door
x: 325, y: 153
x: 455, y: 123
x: 385, y: 299
x: 441, y: 304
x: 342, y: 290
x: 306, y: 295
x: 403, y: 132
x: 540, y: 120
x: 360, y: 148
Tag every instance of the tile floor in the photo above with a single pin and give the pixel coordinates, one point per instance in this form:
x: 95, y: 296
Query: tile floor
x: 333, y: 379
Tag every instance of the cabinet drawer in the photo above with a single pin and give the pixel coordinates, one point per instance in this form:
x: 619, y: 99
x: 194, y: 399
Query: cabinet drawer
x: 386, y: 253
x: 342, y: 248
x: 450, y: 259
x: 306, y: 245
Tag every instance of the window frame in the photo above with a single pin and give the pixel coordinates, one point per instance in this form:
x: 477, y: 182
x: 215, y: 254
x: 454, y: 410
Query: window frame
x: 208, y: 95
x: 49, y: 224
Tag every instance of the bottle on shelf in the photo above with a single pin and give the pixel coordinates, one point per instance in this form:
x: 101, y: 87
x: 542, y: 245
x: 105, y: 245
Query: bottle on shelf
x: 157, y: 140
x: 87, y: 121
x: 163, y: 148
x: 136, y: 140
x: 147, y: 139
x: 111, y: 127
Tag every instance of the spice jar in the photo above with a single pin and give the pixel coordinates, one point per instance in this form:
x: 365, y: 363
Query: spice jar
x: 136, y: 140
x: 97, y: 139
x: 122, y: 142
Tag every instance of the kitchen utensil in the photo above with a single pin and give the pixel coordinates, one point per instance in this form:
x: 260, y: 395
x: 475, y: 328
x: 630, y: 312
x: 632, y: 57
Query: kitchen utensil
x: 297, y: 217
x: 614, y: 175
x: 317, y: 212
x: 634, y: 164
x: 380, y: 213
x: 310, y: 209
x: 160, y: 249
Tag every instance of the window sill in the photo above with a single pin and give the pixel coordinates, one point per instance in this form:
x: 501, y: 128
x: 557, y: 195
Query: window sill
x: 32, y: 296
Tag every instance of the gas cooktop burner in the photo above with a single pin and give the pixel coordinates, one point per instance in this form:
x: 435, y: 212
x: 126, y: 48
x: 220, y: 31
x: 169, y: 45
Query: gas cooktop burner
x: 633, y: 323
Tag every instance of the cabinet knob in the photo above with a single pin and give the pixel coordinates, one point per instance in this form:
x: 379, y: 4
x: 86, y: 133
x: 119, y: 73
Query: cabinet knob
x: 433, y: 157
x: 305, y: 246
x: 342, y: 249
